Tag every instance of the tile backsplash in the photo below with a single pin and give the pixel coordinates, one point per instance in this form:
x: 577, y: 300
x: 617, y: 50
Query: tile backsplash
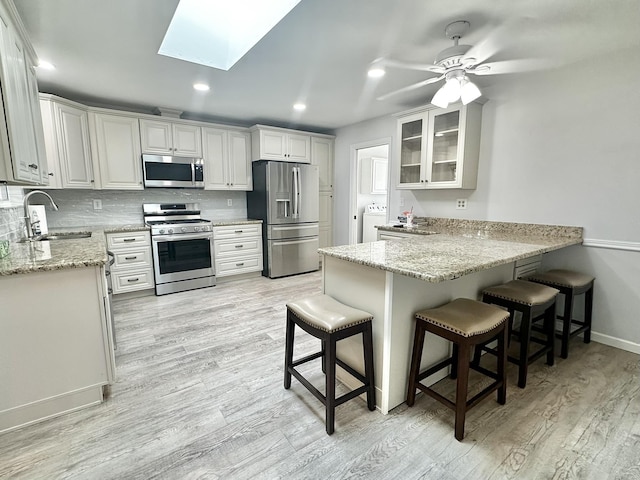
x: 119, y: 207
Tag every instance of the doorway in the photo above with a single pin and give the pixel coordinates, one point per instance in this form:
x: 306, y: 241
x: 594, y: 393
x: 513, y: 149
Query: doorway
x: 369, y: 189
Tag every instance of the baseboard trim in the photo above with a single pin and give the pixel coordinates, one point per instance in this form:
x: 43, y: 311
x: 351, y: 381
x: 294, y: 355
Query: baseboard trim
x: 616, y: 342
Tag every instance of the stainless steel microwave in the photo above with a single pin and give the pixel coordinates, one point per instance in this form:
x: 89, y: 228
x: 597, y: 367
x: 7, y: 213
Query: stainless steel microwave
x: 172, y: 172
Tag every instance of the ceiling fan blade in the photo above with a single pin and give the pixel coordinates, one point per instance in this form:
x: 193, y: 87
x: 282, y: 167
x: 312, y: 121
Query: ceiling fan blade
x: 425, y: 67
x: 411, y: 87
x: 513, y: 66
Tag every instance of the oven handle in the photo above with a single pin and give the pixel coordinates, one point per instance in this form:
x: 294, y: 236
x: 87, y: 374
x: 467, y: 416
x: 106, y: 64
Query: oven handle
x: 185, y: 236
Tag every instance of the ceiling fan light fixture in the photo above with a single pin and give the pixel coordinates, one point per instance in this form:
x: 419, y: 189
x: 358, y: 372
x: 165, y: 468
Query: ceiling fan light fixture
x: 469, y: 91
x: 441, y: 99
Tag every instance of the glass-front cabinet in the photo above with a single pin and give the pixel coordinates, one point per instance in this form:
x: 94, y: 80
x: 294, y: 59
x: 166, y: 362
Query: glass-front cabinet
x: 439, y: 147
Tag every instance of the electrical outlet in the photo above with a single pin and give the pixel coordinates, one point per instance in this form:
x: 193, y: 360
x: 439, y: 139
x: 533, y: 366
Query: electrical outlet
x: 97, y: 204
x: 402, y: 201
x: 461, y: 204
x: 229, y: 202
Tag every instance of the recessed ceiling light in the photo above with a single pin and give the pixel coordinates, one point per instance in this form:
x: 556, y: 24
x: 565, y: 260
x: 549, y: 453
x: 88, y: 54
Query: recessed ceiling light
x: 299, y: 107
x: 46, y: 65
x: 376, y: 72
x: 201, y: 87
x: 218, y: 33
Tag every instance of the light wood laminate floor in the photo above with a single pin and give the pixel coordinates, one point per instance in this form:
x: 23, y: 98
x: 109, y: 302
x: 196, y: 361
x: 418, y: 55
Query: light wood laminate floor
x: 199, y: 396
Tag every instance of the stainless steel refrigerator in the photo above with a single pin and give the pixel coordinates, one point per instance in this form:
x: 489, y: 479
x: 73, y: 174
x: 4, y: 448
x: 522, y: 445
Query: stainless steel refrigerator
x: 285, y: 197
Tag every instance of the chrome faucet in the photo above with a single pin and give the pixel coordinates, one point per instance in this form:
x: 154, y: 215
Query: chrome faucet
x: 29, y: 221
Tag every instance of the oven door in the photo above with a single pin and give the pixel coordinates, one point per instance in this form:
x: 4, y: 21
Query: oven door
x: 182, y: 257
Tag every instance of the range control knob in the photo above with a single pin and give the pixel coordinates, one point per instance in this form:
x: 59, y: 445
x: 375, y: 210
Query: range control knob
x: 196, y: 229
x: 184, y: 229
x: 161, y: 231
x: 170, y: 230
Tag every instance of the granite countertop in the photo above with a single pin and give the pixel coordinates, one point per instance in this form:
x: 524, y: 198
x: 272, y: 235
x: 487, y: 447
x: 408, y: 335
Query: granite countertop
x: 73, y: 253
x: 445, y: 251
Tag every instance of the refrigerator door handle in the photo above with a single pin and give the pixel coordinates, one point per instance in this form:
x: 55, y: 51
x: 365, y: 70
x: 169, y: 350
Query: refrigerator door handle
x: 296, y: 192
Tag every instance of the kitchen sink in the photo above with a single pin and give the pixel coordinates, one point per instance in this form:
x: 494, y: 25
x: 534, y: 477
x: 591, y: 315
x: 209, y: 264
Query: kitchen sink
x: 58, y: 236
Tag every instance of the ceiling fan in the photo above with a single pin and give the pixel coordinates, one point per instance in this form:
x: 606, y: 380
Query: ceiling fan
x: 452, y: 64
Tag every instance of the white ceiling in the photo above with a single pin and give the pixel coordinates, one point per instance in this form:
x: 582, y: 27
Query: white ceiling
x: 106, y: 53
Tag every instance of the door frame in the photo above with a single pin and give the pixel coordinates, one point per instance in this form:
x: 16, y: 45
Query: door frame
x: 355, y: 175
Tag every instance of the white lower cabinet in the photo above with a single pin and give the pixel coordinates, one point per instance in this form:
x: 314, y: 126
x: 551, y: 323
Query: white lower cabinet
x: 386, y: 235
x: 238, y: 249
x: 132, y: 269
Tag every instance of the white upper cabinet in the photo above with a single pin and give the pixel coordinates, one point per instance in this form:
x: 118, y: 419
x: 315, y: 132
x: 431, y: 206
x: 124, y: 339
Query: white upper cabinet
x: 22, y: 152
x: 374, y: 176
x: 322, y: 156
x: 439, y: 148
x: 227, y: 159
x: 269, y: 143
x: 170, y: 138
x: 66, y: 134
x: 117, y: 156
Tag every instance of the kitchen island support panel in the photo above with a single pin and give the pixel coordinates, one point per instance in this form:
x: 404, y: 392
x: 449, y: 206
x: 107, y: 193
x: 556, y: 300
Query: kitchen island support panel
x: 393, y: 300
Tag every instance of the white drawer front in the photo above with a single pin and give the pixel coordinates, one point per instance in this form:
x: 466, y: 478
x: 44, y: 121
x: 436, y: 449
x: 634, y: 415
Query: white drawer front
x: 227, y: 248
x: 237, y: 266
x: 129, y: 239
x: 237, y: 231
x: 140, y: 258
x: 132, y: 280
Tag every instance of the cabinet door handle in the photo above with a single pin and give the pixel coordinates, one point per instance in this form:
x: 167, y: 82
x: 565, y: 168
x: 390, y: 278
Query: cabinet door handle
x: 128, y: 239
x: 51, y: 174
x: 130, y: 258
x: 131, y: 280
x: 33, y: 165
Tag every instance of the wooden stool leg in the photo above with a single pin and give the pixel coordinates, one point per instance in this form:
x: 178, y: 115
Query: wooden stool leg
x: 330, y: 383
x: 464, y: 358
x: 454, y: 361
x: 550, y: 330
x: 588, y: 311
x: 288, y: 350
x: 525, y: 335
x: 418, y: 341
x: 322, y: 349
x: 367, y: 347
x: 503, y: 341
x: 566, y: 325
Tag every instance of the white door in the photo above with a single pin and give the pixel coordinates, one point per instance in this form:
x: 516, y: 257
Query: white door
x: 214, y: 153
x: 239, y: 160
x: 156, y: 137
x: 298, y: 148
x: 187, y: 140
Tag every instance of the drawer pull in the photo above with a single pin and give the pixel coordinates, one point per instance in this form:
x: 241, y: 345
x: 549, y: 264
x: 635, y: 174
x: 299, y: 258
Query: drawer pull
x: 239, y: 231
x: 131, y: 280
x: 239, y: 246
x: 128, y: 239
x: 130, y: 258
x: 240, y: 264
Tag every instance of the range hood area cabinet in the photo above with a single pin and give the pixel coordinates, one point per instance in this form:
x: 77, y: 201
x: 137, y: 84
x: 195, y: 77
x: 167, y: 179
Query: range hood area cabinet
x: 439, y: 148
x: 280, y: 144
x: 22, y: 152
x: 227, y: 159
x: 162, y: 137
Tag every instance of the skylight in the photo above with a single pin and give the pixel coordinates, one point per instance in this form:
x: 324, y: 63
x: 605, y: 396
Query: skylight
x: 217, y: 33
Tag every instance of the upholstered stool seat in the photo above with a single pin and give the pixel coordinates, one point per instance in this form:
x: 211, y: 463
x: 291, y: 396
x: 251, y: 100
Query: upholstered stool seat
x: 465, y: 323
x: 330, y: 321
x: 533, y: 301
x: 570, y: 284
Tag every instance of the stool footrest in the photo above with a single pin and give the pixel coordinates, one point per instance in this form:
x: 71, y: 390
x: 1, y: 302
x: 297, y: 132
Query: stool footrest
x: 352, y: 394
x: 306, y: 359
x: 316, y: 393
x: 352, y: 371
x: 436, y: 368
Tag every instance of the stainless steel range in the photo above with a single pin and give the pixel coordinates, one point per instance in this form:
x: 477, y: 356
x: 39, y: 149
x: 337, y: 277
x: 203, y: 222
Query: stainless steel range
x: 182, y: 247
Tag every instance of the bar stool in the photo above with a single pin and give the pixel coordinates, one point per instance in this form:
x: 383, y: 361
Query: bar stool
x: 533, y: 301
x: 570, y: 284
x: 465, y: 323
x: 329, y: 320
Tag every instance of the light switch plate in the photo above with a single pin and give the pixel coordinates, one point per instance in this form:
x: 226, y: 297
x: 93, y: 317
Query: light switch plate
x: 97, y: 204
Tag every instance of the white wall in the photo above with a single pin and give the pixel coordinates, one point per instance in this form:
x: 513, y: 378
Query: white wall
x: 558, y: 147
